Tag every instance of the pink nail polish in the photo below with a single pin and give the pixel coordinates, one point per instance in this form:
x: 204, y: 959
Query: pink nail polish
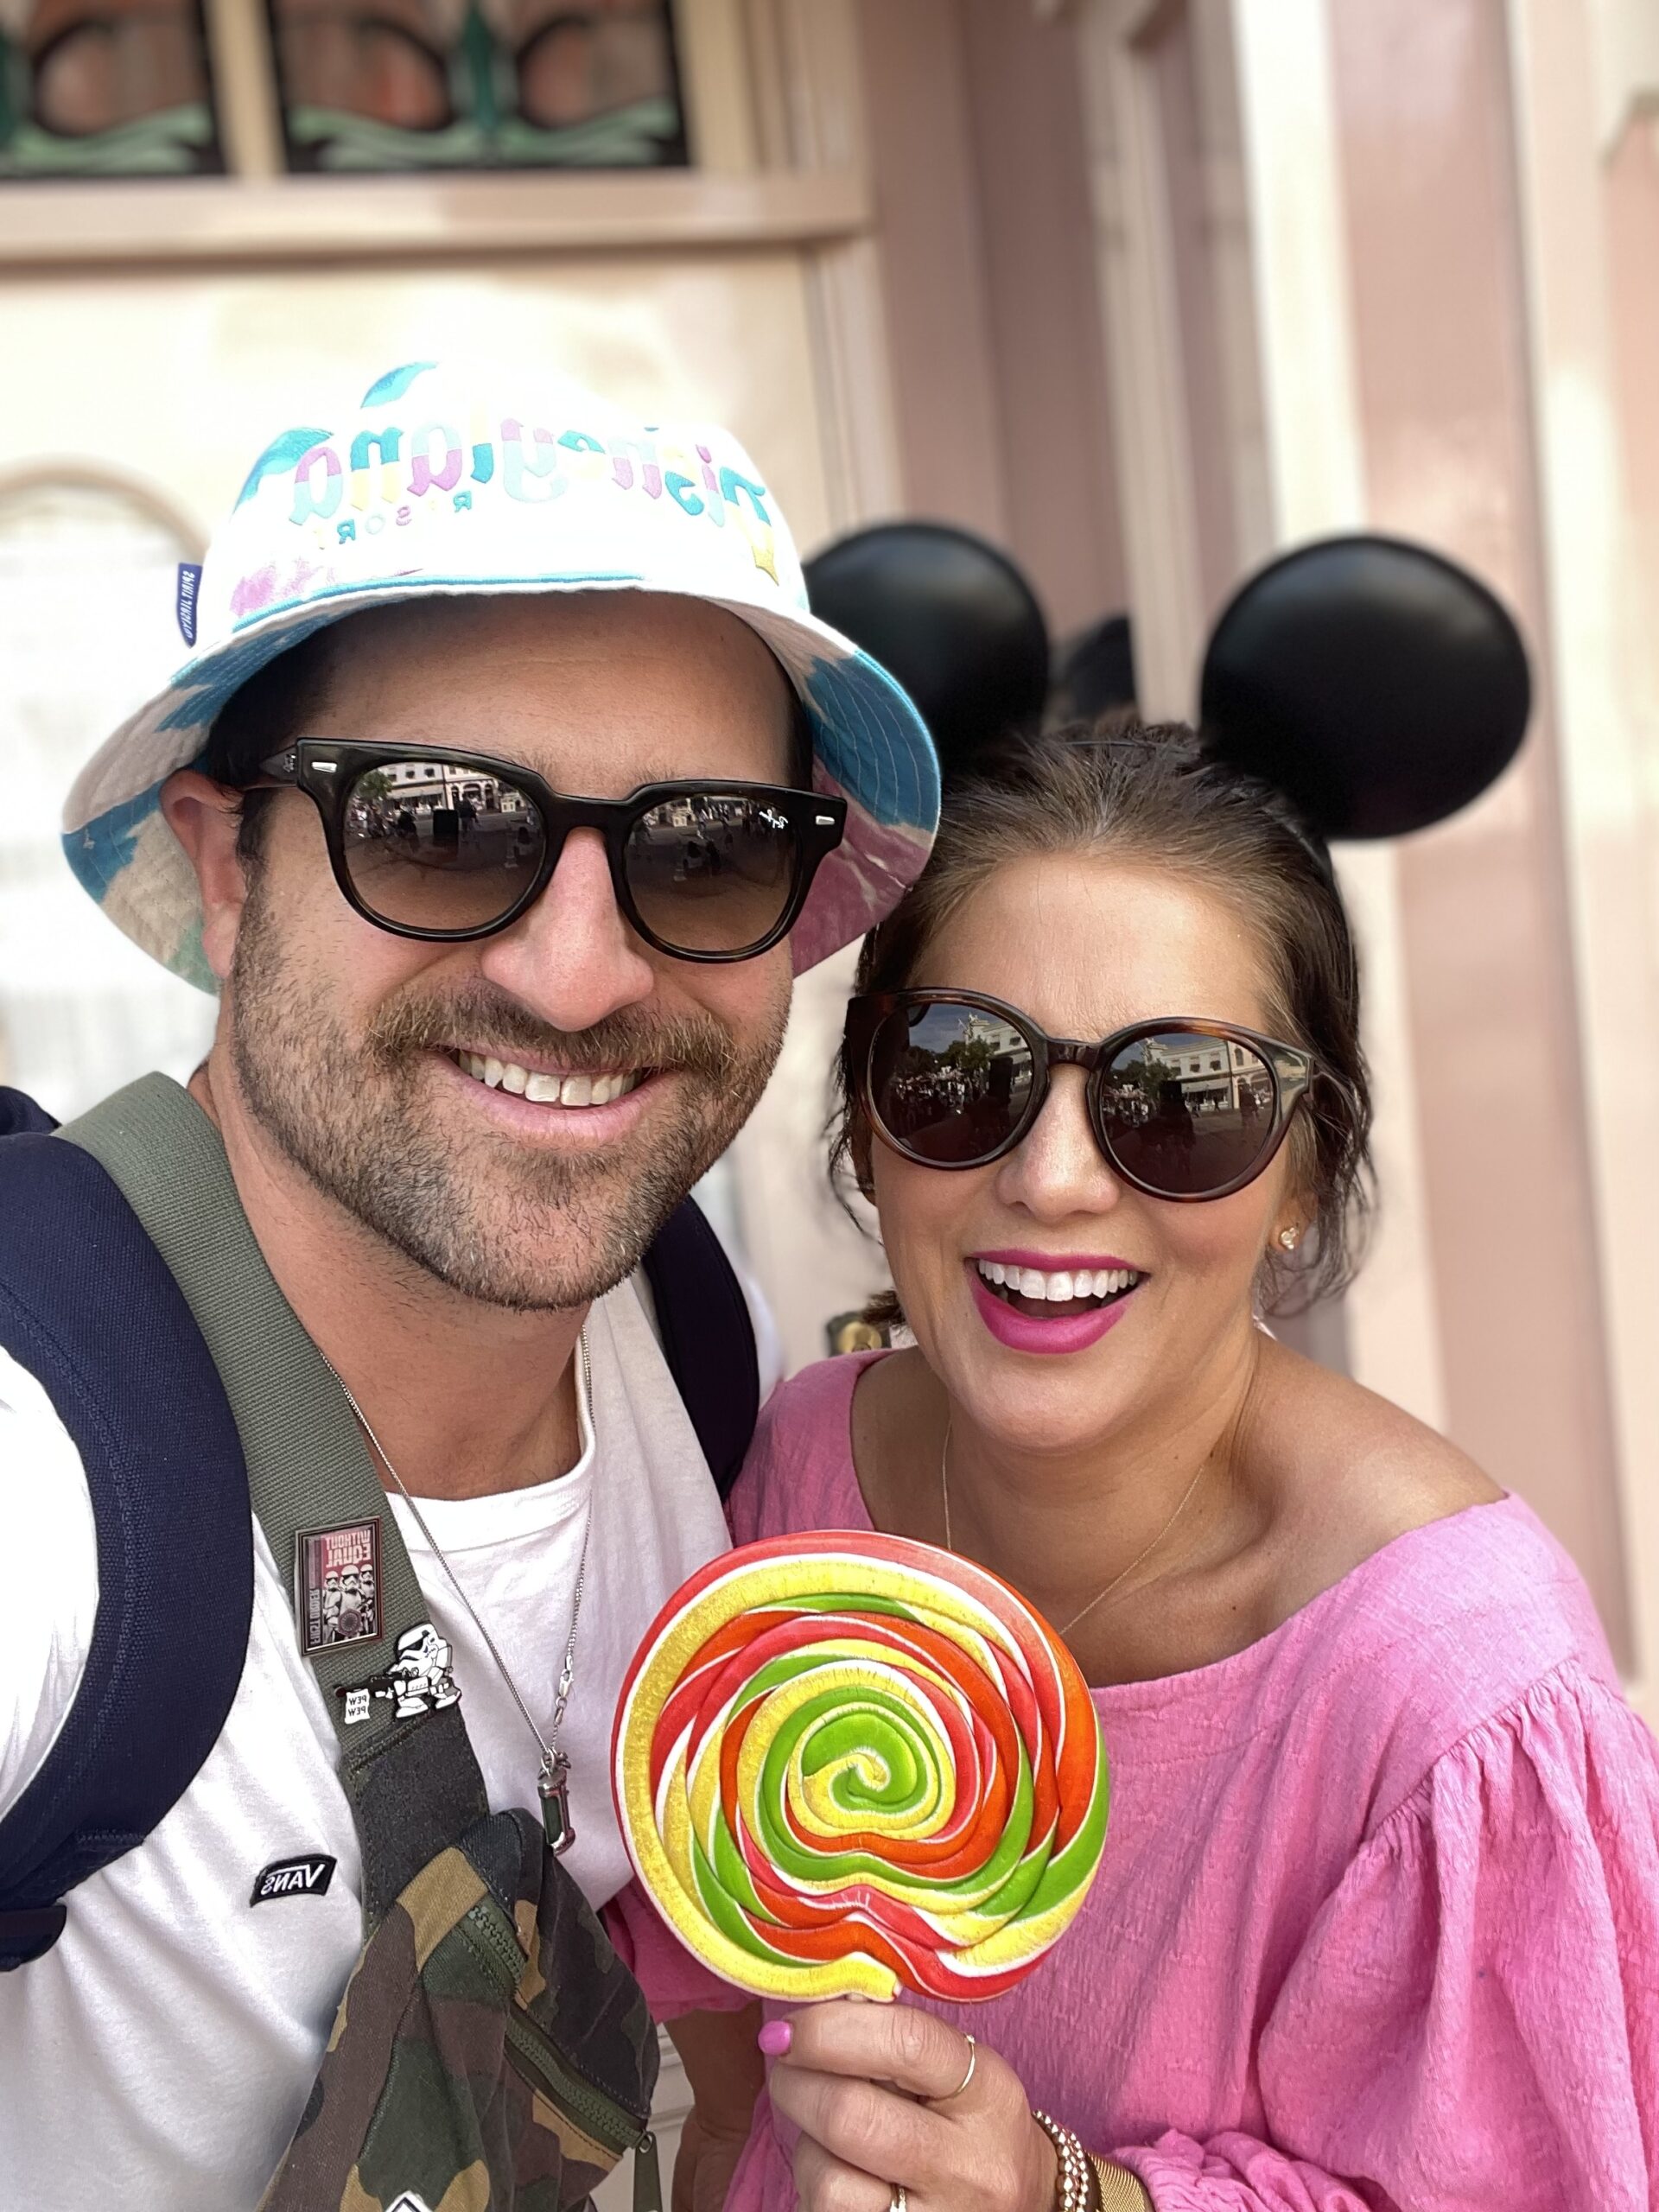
x: 775, y: 2037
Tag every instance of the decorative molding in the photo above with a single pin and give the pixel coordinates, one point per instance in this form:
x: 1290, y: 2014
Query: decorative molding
x: 244, y: 87
x: 1143, y: 339
x: 818, y: 48
x: 390, y: 219
x: 854, y: 378
x: 55, y: 473
x: 716, y: 84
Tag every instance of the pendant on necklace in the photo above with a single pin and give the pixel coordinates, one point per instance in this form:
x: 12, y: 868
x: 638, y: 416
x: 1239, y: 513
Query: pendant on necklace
x: 553, y: 1786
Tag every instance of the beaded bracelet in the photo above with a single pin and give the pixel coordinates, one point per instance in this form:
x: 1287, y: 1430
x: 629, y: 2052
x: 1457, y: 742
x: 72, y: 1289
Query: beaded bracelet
x: 1074, y: 2189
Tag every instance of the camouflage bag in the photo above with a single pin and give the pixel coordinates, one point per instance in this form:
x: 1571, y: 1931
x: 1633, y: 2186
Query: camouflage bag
x: 491, y: 2052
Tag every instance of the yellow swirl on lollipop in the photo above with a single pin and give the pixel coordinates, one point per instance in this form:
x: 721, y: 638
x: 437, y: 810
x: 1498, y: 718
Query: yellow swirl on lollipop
x: 847, y: 1764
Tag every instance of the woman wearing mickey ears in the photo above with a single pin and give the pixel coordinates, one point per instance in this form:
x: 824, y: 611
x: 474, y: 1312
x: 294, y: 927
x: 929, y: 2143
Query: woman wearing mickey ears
x: 1379, y: 1920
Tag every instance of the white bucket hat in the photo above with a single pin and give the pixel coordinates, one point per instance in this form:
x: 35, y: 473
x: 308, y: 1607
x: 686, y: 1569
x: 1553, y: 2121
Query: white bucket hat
x: 470, y: 480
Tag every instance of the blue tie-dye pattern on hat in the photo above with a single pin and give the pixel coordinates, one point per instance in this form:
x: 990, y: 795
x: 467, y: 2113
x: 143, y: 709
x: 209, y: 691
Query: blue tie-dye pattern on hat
x: 857, y: 728
x: 395, y: 382
x: 98, y: 852
x: 229, y: 669
x: 285, y: 452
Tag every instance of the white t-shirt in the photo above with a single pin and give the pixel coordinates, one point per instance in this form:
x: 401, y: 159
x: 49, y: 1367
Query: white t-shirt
x: 159, y: 2057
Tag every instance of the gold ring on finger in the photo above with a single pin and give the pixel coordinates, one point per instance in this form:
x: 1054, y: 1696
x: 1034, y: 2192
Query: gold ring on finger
x: 973, y: 2061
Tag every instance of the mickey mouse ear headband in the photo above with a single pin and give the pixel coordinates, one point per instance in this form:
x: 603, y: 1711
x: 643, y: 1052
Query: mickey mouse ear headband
x: 1378, y: 685
x: 1375, y: 684
x: 948, y: 615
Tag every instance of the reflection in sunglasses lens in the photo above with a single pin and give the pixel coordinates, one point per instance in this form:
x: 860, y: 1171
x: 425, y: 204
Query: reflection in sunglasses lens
x: 948, y: 1083
x: 1185, y: 1113
x: 432, y: 847
x: 712, y: 871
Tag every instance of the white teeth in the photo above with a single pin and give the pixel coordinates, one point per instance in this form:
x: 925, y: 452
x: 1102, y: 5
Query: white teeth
x: 1063, y: 1285
x: 546, y: 1090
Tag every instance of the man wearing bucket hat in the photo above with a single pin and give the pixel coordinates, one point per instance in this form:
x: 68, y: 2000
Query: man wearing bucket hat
x: 510, y: 777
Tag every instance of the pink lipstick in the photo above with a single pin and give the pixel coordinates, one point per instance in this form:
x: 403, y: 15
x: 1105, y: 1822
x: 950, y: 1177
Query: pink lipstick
x: 1070, y: 1326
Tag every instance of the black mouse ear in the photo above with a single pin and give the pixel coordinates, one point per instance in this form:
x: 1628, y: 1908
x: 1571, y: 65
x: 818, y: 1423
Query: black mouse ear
x: 1377, y: 684
x: 950, y: 616
x: 1093, y: 673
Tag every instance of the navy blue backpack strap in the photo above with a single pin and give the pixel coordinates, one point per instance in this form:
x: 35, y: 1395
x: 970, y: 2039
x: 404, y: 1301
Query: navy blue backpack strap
x: 89, y: 1308
x: 21, y: 1116
x: 707, y: 1338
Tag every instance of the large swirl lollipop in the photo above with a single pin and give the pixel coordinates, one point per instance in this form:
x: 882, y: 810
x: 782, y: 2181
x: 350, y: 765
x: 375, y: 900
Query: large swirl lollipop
x: 847, y: 1764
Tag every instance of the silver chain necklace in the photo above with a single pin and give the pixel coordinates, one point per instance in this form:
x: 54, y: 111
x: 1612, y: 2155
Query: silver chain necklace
x: 553, y: 1783
x: 1099, y: 1596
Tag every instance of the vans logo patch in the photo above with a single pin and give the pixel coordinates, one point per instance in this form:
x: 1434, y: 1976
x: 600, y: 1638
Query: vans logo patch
x: 308, y: 1876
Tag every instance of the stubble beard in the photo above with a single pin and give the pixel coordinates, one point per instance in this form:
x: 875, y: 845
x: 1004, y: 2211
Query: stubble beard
x: 506, y: 1225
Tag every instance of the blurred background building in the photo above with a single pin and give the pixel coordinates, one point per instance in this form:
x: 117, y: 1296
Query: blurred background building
x: 1142, y: 290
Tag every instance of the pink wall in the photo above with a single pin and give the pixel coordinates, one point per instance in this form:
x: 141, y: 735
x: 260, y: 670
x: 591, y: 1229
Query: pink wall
x: 982, y: 198
x: 1440, y: 351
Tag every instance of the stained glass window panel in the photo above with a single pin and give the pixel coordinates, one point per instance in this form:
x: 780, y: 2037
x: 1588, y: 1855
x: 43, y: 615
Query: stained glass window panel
x: 105, y: 88
x: 378, y: 85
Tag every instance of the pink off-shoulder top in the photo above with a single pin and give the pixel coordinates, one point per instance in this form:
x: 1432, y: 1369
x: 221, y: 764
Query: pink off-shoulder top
x: 1377, y: 1924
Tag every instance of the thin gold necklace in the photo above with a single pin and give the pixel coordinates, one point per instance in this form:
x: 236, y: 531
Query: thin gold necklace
x: 1099, y: 1596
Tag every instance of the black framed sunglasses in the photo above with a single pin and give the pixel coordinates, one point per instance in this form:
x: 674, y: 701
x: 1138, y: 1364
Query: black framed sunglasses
x: 1182, y: 1108
x: 448, y: 846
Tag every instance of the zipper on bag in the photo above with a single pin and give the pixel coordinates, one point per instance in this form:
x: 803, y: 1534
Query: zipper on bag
x: 535, y: 2056
x: 647, y: 2176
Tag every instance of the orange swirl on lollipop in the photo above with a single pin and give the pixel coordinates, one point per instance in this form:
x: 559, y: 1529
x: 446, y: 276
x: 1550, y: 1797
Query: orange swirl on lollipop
x: 847, y: 1764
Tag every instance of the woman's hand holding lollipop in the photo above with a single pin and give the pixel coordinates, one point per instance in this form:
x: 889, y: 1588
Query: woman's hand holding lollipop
x: 889, y: 2098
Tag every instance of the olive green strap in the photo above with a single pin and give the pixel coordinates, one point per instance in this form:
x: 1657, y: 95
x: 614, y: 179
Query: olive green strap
x: 414, y: 1785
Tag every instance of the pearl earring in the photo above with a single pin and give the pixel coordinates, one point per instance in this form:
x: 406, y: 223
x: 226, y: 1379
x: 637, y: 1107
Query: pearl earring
x: 1289, y: 1238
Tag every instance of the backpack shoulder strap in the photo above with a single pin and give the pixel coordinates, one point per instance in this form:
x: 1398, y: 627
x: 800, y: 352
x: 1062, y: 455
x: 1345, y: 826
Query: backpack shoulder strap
x: 21, y: 1116
x: 88, y: 1308
x: 708, y: 1338
x: 410, y: 1776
